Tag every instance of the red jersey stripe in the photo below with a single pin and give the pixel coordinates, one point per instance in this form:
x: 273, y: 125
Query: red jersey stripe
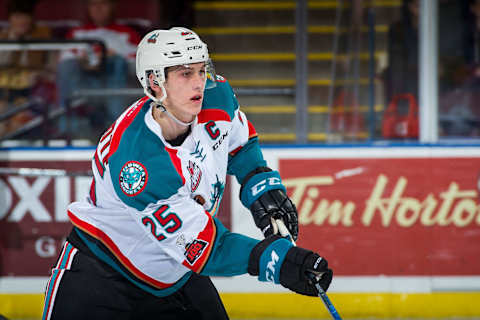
x: 105, y: 146
x: 123, y: 125
x: 251, y: 130
x: 234, y: 152
x: 93, y: 194
x: 106, y: 241
x: 98, y: 164
x: 208, y: 235
x: 176, y: 162
x: 107, y: 133
x: 213, y: 115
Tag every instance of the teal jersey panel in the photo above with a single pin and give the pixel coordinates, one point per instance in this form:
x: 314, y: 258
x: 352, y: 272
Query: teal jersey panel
x: 221, y: 97
x: 141, y: 169
x: 246, y: 160
x: 230, y: 253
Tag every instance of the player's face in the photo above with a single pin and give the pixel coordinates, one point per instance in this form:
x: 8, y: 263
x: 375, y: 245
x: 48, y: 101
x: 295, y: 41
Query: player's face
x: 20, y: 23
x: 100, y: 11
x: 184, y: 86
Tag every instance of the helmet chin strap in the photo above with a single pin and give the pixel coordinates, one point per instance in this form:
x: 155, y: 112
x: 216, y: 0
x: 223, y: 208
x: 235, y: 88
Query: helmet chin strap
x: 171, y: 116
x: 157, y: 103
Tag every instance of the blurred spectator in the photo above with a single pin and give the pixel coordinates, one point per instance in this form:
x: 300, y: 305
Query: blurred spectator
x: 20, y: 71
x: 78, y: 69
x: 459, y: 105
x: 403, y: 51
x: 471, y: 39
x: 402, y: 72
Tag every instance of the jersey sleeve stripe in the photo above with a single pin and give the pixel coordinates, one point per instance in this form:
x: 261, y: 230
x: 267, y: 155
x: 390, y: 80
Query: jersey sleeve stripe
x: 93, y: 193
x: 105, y: 146
x: 251, y: 130
x: 98, y: 164
x: 234, y: 152
x: 213, y: 114
x: 208, y: 235
x: 240, y: 117
x: 123, y: 125
x: 176, y: 162
x: 107, y: 133
x: 107, y: 242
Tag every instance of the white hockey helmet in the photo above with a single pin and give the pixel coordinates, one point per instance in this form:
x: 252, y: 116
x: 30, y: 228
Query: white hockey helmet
x: 160, y: 49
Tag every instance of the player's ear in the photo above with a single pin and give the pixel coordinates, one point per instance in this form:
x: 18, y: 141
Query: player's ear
x: 153, y: 83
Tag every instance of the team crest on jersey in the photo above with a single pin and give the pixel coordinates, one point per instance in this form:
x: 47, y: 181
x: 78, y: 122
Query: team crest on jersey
x: 195, y: 250
x: 195, y: 175
x: 133, y: 178
x: 220, y: 78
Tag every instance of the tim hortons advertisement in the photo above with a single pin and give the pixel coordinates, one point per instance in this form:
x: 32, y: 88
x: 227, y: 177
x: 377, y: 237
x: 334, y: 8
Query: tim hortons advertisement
x: 33, y: 215
x: 414, y: 216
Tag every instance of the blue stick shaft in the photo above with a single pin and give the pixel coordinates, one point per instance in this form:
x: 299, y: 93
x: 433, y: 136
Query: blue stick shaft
x: 321, y: 293
x: 328, y: 303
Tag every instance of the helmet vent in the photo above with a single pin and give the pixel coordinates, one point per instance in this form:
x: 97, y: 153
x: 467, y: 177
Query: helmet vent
x: 170, y: 42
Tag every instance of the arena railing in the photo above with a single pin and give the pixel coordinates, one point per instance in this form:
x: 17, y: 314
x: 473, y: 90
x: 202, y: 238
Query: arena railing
x: 47, y: 113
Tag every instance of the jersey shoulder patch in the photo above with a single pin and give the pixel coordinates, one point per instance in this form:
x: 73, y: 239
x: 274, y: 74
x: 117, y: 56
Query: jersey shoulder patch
x: 221, y: 97
x: 143, y: 170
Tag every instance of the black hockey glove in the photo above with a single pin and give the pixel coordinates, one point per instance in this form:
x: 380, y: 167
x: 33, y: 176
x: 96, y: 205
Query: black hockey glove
x: 263, y: 193
x: 298, y: 262
x: 277, y: 205
x: 276, y: 259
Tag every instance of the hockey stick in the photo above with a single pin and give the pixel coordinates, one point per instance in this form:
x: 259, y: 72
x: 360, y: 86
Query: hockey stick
x: 282, y: 229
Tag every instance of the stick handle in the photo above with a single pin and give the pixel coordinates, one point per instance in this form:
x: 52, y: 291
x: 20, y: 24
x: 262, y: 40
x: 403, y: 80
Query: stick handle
x: 284, y: 231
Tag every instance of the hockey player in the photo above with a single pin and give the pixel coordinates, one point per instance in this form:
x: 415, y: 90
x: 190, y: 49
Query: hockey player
x: 146, y: 239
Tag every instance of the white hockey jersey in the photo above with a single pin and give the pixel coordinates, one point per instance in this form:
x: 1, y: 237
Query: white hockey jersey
x: 152, y: 205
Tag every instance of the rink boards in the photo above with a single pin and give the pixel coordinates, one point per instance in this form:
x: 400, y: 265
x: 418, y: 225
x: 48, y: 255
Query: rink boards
x: 400, y: 226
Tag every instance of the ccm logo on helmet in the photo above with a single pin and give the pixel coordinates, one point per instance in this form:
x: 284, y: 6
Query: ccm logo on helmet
x: 194, y: 47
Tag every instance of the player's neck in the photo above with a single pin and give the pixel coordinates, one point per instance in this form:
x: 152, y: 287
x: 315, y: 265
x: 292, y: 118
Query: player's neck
x: 170, y: 129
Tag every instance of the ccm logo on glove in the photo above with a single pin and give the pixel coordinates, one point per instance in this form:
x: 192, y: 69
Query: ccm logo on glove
x: 270, y: 272
x: 315, y: 265
x: 260, y: 186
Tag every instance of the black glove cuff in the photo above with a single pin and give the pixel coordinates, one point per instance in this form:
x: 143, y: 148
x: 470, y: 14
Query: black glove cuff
x: 254, y: 260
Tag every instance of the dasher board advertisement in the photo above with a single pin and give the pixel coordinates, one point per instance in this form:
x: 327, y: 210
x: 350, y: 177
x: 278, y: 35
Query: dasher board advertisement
x: 387, y: 219
x: 33, y: 210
